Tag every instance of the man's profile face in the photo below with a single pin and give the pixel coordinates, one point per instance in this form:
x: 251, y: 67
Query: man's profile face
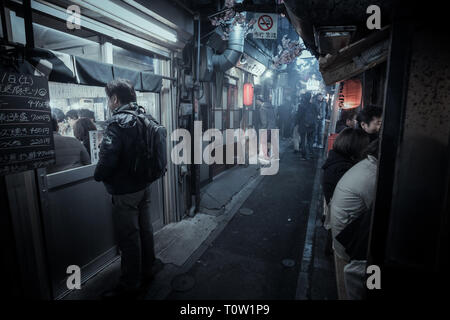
x: 373, y: 127
x: 351, y: 122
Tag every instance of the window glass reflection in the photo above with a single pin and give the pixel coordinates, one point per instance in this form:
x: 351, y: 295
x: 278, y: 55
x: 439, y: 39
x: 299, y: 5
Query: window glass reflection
x: 81, y: 113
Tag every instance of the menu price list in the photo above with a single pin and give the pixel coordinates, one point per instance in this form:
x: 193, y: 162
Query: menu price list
x: 26, y: 135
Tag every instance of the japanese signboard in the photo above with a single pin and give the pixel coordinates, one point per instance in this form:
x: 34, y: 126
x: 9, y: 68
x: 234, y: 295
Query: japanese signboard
x: 26, y: 135
x: 95, y: 138
x: 265, y: 26
x: 251, y: 65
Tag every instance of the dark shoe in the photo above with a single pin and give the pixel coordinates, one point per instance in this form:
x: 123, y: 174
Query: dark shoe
x: 147, y: 279
x: 120, y: 292
x: 303, y: 158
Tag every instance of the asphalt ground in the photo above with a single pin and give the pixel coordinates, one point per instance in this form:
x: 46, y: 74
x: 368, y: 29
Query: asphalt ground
x: 246, y: 260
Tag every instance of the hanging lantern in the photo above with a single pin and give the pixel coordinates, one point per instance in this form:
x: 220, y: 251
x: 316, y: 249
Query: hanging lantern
x: 248, y: 94
x: 350, y: 93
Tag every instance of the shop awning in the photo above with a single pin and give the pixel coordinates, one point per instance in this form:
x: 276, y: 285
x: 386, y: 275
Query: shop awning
x: 355, y: 58
x: 93, y: 73
x: 61, y: 67
x: 57, y: 66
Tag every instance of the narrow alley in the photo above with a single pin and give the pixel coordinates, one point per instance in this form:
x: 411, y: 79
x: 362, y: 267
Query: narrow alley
x: 259, y: 256
x: 174, y: 151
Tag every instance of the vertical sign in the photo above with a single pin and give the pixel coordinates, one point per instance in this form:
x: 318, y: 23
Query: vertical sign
x: 265, y: 26
x: 26, y: 135
x: 95, y: 138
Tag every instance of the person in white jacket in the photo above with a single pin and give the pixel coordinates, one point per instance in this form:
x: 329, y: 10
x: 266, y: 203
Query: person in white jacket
x: 353, y: 195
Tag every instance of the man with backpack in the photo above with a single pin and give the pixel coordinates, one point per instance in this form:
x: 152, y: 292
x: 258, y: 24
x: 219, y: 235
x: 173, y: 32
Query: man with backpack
x: 123, y: 167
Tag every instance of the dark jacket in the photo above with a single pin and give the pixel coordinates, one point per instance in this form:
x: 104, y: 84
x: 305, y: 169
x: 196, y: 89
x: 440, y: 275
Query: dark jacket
x: 69, y: 154
x: 118, y: 153
x: 285, y: 111
x: 340, y: 125
x: 334, y: 168
x: 307, y: 115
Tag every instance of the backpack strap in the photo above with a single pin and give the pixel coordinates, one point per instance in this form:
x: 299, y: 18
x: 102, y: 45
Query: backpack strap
x: 142, y: 116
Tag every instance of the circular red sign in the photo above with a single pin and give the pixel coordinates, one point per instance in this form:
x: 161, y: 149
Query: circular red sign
x: 265, y: 22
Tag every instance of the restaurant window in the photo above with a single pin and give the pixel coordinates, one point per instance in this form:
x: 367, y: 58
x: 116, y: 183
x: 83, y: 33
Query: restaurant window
x: 90, y: 102
x: 82, y: 101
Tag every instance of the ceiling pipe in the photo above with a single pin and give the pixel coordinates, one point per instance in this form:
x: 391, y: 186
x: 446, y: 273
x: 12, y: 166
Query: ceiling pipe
x: 231, y: 55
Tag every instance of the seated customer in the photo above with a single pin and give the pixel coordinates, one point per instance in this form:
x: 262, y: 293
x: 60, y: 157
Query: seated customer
x: 69, y: 152
x: 354, y: 194
x: 81, y: 130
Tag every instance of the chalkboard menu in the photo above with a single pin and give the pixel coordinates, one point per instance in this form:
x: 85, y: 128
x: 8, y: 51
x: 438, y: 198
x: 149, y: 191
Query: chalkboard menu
x: 26, y: 135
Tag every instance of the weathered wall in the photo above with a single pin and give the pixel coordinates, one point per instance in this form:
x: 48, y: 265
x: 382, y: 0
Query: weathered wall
x: 422, y: 169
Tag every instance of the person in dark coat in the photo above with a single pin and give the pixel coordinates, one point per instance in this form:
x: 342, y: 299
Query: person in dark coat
x: 81, y: 130
x: 285, y: 115
x: 306, y: 118
x: 347, y: 150
x: 118, y: 169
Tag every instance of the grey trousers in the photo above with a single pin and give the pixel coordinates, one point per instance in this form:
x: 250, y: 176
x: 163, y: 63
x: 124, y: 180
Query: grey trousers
x: 340, y: 264
x: 134, y: 233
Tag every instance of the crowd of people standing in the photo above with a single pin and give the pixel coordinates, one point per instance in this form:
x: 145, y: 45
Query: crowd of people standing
x: 348, y: 178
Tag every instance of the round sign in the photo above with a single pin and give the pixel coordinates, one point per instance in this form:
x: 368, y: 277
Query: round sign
x: 265, y: 22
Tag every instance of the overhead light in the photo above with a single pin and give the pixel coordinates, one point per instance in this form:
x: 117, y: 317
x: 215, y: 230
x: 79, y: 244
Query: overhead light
x: 268, y: 74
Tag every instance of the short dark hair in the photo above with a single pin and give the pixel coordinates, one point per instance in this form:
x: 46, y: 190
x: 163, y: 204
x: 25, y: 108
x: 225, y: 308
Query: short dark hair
x: 347, y: 114
x: 86, y: 113
x: 351, y: 143
x: 123, y: 89
x: 58, y: 114
x: 54, y: 123
x: 369, y: 112
x: 82, y: 127
x: 72, y: 114
x: 307, y: 96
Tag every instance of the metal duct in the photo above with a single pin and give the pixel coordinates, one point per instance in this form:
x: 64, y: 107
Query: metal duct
x: 231, y: 55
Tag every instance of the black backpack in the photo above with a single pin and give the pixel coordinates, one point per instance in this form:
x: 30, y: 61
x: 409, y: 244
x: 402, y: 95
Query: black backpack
x: 151, y: 162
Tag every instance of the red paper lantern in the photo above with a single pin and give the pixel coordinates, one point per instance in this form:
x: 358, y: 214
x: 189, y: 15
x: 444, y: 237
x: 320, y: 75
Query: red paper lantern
x: 350, y: 93
x: 248, y: 94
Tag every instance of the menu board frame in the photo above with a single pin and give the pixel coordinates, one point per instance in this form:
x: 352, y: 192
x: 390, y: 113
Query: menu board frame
x: 26, y: 133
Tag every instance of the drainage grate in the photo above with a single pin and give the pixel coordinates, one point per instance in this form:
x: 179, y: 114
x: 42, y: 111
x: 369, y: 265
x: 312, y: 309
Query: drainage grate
x: 183, y: 282
x: 246, y: 211
x: 288, y: 263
